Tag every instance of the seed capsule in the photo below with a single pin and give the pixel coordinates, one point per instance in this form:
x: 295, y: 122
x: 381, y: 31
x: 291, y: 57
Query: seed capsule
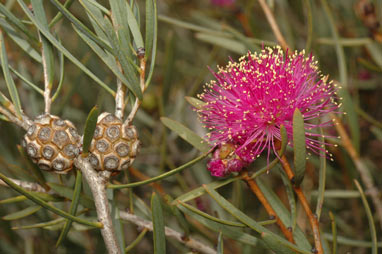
x: 114, y: 145
x: 52, y: 143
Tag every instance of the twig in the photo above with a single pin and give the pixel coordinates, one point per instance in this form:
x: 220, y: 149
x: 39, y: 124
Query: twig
x: 47, y: 84
x: 304, y: 202
x: 29, y: 186
x: 189, y: 242
x: 367, y: 180
x: 120, y: 97
x: 97, y: 182
x: 272, y: 22
x: 143, y: 88
x: 256, y: 190
x: 25, y: 123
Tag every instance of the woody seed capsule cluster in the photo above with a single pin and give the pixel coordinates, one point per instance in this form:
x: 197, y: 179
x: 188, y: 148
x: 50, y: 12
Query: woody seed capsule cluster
x: 114, y: 145
x: 52, y: 143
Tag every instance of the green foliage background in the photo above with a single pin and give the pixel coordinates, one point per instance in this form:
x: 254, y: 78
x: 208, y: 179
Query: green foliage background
x: 191, y: 36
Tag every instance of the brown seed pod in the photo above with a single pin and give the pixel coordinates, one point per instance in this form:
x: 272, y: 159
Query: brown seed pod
x: 114, y: 145
x: 52, y: 143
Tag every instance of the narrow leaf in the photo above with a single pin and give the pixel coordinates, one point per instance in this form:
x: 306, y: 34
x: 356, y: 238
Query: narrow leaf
x: 68, y: 193
x: 73, y: 207
x: 230, y: 44
x: 8, y: 78
x: 158, y: 225
x: 196, y: 103
x: 22, y: 213
x: 234, y: 233
x: 369, y: 214
x: 322, y: 177
x: 41, y: 225
x: 47, y: 50
x: 299, y: 147
x: 80, y: 26
x: 151, y: 35
x: 185, y: 133
x: 46, y: 205
x: 16, y: 21
x: 274, y: 241
x: 89, y: 129
x: 134, y: 27
x: 220, y: 248
x: 58, y: 45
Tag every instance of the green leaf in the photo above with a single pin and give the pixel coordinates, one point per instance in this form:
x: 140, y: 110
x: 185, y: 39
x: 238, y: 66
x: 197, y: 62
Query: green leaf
x: 220, y: 248
x: 185, y: 133
x: 73, y: 207
x: 375, y: 50
x: 90, y: 126
x: 16, y: 21
x: 61, y: 48
x: 46, y: 205
x: 47, y: 49
x: 121, y: 26
x: 80, y: 26
x: 197, y: 192
x: 196, y: 103
x: 291, y: 199
x: 223, y: 42
x: 41, y: 225
x: 8, y: 78
x: 158, y: 225
x: 234, y: 233
x: 334, y: 232
x: 69, y: 193
x: 273, y: 241
x: 106, y: 57
x: 136, y: 241
x: 151, y: 35
x: 369, y: 214
x: 20, y: 41
x: 299, y: 147
x: 62, y: 76
x: 22, y: 213
x: 275, y: 244
x: 160, y: 177
x: 134, y: 27
x: 128, y: 66
x: 207, y: 216
x: 59, y: 15
x: 322, y: 177
x: 284, y: 215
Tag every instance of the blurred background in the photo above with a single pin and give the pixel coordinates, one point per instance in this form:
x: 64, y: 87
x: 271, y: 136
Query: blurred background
x: 192, y: 36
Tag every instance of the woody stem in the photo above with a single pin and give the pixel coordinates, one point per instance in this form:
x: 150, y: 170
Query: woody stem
x: 259, y: 194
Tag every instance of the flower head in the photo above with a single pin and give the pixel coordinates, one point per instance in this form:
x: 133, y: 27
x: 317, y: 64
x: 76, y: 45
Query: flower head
x: 249, y: 101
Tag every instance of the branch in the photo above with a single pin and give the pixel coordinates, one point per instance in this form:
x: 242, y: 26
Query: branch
x: 120, y: 97
x: 25, y: 123
x: 97, y: 182
x: 272, y: 22
x: 48, y: 85
x: 256, y: 190
x: 189, y: 242
x: 29, y: 186
x: 143, y: 88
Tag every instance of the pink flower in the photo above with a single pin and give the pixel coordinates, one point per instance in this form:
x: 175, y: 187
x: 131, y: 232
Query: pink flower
x: 251, y: 99
x: 222, y: 2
